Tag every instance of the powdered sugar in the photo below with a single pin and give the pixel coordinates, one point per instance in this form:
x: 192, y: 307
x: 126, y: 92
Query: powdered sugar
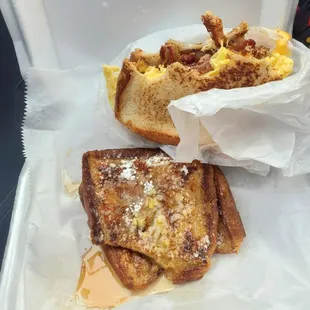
x: 158, y: 160
x: 205, y: 241
x: 203, y: 245
x: 184, y: 170
x: 132, y: 210
x: 148, y: 187
x: 135, y: 208
x: 220, y: 239
x: 129, y: 171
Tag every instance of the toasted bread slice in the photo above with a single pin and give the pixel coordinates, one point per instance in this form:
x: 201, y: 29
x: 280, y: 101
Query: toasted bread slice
x: 152, y: 120
x: 230, y: 228
x: 140, y: 200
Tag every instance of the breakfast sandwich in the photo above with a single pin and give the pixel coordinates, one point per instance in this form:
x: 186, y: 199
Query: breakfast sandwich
x: 142, y: 89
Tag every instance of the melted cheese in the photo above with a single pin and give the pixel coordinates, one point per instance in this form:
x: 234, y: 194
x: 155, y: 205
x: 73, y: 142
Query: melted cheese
x: 111, y: 74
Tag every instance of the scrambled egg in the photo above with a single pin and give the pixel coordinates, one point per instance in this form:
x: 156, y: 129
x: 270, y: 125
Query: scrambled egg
x: 160, y: 220
x: 153, y: 202
x: 153, y: 72
x: 282, y: 43
x: 111, y: 74
x: 139, y: 222
x: 150, y: 72
x: 278, y: 59
x: 219, y: 60
x: 280, y: 64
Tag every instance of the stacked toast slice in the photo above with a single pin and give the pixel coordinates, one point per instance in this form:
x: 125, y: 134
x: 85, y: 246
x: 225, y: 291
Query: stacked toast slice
x: 152, y: 215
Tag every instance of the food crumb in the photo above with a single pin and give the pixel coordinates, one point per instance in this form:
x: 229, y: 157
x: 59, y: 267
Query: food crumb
x: 184, y: 170
x: 148, y: 187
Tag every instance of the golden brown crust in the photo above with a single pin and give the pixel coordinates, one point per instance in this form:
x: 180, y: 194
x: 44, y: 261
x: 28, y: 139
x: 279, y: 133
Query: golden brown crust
x: 211, y: 205
x: 88, y: 201
x: 152, y: 135
x: 87, y: 186
x: 224, y: 243
x: 188, y: 274
x: 122, y: 83
x: 134, y: 270
x: 211, y: 208
x: 231, y: 231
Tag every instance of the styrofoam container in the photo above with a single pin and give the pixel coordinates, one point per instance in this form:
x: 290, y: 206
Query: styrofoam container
x: 67, y: 33
x: 62, y: 34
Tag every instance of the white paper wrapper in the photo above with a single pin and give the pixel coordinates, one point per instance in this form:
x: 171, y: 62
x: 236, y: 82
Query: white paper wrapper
x: 66, y: 118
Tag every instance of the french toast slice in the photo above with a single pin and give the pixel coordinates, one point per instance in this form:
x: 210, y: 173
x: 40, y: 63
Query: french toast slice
x: 140, y: 200
x: 230, y: 228
x: 134, y: 270
x: 137, y: 271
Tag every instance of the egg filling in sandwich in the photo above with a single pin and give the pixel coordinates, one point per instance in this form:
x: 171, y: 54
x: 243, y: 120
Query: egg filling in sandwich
x: 142, y: 89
